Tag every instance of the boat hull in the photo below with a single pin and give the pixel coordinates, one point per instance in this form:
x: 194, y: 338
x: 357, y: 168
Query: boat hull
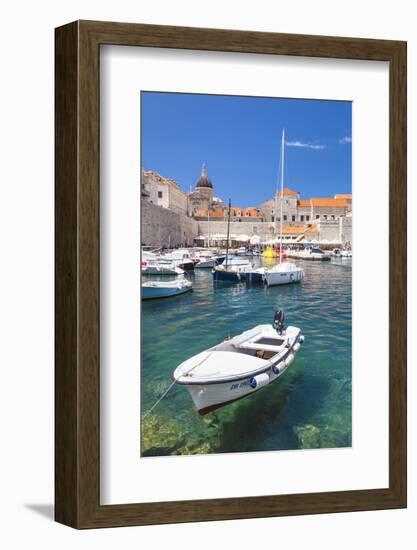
x: 203, y: 264
x: 312, y: 257
x: 151, y: 293
x: 228, y: 276
x: 285, y: 278
x: 210, y: 397
x: 161, y: 270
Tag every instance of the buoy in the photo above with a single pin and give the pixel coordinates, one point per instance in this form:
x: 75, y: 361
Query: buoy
x: 259, y: 381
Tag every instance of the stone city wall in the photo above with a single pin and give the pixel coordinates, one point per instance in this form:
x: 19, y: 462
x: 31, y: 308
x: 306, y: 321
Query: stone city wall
x: 264, y: 230
x: 163, y: 227
x: 339, y: 230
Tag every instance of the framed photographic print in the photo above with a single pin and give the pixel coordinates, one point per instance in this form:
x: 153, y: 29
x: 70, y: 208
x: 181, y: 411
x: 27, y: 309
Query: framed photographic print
x: 230, y: 274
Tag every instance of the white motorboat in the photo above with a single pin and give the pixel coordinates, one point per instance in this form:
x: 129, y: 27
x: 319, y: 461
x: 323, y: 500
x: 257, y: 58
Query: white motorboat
x: 181, y: 258
x: 240, y: 366
x: 207, y: 259
x: 162, y: 289
x: 205, y: 262
x: 283, y: 273
x: 160, y: 268
x: 310, y: 253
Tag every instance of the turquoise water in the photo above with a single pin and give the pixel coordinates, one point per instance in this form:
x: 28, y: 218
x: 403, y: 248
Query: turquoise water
x: 309, y: 407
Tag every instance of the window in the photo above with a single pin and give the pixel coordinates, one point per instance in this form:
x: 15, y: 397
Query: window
x: 301, y: 218
x: 325, y: 216
x: 273, y: 218
x: 317, y: 217
x: 285, y: 217
x: 307, y: 218
x: 333, y: 218
x: 293, y: 218
x: 159, y: 194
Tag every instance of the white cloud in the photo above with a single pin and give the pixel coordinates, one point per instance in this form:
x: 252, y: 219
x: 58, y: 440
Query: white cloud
x: 344, y: 140
x: 306, y: 145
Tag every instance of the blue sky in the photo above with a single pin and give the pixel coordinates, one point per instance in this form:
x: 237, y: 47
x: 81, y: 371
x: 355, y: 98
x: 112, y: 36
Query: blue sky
x: 239, y: 139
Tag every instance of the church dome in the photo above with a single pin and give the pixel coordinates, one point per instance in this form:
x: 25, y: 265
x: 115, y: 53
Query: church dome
x: 203, y: 180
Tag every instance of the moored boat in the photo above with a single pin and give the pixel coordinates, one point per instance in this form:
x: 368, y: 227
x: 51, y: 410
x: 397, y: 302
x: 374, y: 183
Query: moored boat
x: 206, y: 260
x: 181, y: 258
x: 240, y: 366
x: 165, y: 289
x: 160, y: 268
x: 310, y: 253
x: 283, y: 273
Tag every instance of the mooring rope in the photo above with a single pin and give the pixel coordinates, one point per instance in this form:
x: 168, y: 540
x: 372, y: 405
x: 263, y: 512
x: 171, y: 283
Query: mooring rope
x: 158, y: 400
x: 172, y: 384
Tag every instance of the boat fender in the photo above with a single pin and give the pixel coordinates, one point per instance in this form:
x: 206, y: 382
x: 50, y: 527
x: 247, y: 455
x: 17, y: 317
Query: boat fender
x: 301, y: 339
x: 275, y: 369
x: 259, y: 381
x: 297, y: 346
x: 292, y: 277
x: 289, y: 359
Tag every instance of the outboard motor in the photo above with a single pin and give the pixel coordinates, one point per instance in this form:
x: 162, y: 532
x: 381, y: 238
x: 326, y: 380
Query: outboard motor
x: 279, y: 319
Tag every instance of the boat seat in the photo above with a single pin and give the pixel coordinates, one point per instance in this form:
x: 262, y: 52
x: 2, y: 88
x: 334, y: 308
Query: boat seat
x: 261, y: 347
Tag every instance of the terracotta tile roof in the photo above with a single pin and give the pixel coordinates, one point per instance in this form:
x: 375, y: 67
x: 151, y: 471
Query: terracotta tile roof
x: 299, y: 229
x: 286, y: 192
x: 344, y: 196
x: 304, y: 203
x: 244, y: 212
x: 201, y: 213
x: 338, y: 203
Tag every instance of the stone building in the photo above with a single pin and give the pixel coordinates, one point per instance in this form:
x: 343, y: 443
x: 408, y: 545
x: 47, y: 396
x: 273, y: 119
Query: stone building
x: 202, y: 198
x: 296, y: 210
x: 318, y: 218
x: 164, y: 192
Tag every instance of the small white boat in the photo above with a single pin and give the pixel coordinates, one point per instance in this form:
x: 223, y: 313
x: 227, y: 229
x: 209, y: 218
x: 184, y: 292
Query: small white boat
x: 181, y: 258
x: 205, y: 262
x: 207, y: 259
x: 283, y: 273
x: 160, y: 268
x: 311, y: 253
x: 240, y: 366
x: 162, y: 289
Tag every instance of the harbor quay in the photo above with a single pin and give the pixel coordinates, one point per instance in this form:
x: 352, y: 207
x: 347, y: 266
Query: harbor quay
x: 171, y: 217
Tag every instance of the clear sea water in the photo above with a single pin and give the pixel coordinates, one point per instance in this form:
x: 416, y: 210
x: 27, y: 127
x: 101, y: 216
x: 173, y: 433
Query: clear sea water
x: 310, y: 406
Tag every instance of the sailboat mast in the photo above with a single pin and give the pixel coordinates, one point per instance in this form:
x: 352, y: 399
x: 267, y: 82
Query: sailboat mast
x: 228, y: 232
x: 282, y: 192
x: 208, y: 227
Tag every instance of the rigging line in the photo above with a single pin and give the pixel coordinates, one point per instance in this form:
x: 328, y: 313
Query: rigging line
x: 159, y: 400
x: 172, y: 384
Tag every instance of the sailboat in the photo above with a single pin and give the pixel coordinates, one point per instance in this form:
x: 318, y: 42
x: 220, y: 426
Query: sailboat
x: 283, y: 272
x: 232, y: 269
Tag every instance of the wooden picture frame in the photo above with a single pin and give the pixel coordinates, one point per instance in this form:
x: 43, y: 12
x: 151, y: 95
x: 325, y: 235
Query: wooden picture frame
x: 77, y: 405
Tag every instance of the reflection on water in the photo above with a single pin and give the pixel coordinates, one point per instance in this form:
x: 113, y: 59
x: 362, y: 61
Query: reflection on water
x: 309, y: 407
